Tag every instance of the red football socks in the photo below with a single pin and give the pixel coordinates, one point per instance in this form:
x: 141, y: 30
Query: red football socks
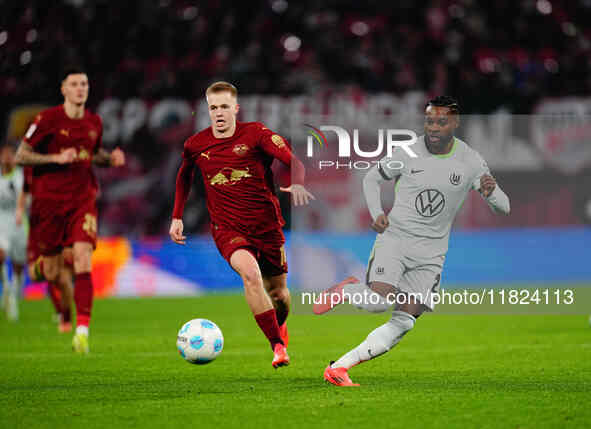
x: 267, y: 321
x: 83, y: 298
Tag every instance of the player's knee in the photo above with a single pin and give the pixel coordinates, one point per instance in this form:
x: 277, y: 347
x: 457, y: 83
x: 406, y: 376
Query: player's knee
x: 82, y: 260
x: 50, y: 272
x: 251, y: 278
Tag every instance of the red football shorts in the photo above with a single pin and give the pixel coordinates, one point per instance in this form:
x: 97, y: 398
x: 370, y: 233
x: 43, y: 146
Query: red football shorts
x: 55, y: 225
x: 268, y: 248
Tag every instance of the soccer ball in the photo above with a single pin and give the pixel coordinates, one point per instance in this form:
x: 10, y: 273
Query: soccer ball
x: 200, y: 341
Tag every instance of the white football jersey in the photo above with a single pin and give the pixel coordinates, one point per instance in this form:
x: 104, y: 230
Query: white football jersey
x: 10, y: 187
x: 430, y: 191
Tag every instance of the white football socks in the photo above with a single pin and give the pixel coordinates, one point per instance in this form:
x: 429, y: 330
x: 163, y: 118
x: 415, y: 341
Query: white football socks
x: 379, y: 341
x: 17, y: 283
x: 5, y: 281
x: 5, y: 287
x: 362, y: 297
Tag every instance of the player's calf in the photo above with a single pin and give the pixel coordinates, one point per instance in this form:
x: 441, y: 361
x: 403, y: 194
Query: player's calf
x: 276, y: 287
x: 379, y: 341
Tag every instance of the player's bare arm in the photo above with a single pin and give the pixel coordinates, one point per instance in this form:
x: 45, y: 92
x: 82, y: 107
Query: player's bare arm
x: 275, y: 145
x: 25, y: 155
x: 104, y: 158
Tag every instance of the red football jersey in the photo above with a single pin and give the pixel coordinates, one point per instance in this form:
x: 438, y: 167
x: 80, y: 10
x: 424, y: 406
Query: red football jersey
x: 28, y: 183
x: 239, y: 187
x: 51, y: 133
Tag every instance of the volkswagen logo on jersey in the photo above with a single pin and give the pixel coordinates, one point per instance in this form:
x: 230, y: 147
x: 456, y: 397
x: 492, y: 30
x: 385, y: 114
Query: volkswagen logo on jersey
x: 455, y: 178
x: 430, y: 203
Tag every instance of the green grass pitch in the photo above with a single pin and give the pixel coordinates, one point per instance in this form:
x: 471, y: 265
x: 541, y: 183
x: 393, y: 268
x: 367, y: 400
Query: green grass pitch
x: 481, y: 371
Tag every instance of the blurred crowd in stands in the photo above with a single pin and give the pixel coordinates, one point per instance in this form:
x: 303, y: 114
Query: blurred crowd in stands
x: 485, y: 53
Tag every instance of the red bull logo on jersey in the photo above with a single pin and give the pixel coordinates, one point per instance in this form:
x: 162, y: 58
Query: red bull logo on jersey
x: 234, y: 176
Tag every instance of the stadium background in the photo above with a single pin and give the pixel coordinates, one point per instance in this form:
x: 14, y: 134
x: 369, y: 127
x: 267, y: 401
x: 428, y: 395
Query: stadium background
x: 520, y: 70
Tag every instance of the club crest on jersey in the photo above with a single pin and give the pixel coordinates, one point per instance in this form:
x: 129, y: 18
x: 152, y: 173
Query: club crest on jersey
x: 65, y: 132
x: 92, y: 134
x: 240, y: 149
x: 455, y: 178
x: 278, y: 140
x: 430, y: 203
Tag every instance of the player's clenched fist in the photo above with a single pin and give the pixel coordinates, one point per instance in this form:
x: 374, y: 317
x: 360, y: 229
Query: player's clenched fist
x: 176, y: 231
x: 66, y: 157
x: 487, y: 185
x: 380, y: 224
x: 117, y: 158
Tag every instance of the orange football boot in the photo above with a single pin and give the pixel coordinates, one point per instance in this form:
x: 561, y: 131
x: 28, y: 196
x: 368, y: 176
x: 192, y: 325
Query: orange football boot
x: 280, y: 357
x: 338, y: 376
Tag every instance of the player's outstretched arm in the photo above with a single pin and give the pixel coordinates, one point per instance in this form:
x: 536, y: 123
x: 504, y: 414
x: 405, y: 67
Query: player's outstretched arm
x: 184, y: 179
x: 25, y: 155
x: 497, y: 200
x: 372, y: 193
x: 104, y: 158
x: 275, y: 145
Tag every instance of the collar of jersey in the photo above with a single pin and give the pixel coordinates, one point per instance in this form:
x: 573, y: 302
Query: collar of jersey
x: 450, y: 153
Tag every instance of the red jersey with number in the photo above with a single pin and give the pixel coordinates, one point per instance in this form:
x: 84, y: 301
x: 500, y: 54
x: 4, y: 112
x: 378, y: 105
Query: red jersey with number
x: 53, y: 132
x: 239, y: 186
